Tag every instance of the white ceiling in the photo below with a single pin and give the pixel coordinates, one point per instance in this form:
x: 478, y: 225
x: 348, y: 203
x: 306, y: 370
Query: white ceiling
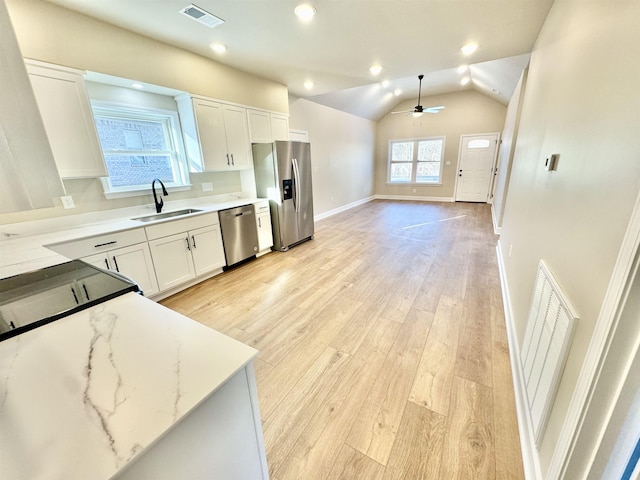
x: 336, y: 49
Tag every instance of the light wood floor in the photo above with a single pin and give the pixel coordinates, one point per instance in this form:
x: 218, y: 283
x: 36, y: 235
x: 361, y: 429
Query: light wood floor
x: 383, y: 349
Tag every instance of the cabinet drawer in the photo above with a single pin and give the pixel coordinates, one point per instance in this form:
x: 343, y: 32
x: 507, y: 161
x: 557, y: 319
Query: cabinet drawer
x: 261, y: 206
x: 84, y: 247
x: 172, y: 227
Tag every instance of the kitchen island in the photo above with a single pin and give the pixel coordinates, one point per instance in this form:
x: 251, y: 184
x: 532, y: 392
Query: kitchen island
x: 128, y: 389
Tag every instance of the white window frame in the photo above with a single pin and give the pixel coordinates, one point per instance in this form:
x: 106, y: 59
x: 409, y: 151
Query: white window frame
x: 415, y: 162
x: 173, y: 135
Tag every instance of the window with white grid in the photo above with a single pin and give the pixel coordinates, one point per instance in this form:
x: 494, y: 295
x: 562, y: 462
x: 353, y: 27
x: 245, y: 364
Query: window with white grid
x: 416, y: 161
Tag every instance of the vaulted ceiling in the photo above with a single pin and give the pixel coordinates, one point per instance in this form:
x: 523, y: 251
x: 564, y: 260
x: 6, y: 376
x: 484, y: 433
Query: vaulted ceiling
x: 346, y: 37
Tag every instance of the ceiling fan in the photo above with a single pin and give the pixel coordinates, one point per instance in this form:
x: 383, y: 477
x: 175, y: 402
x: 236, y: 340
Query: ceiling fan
x: 418, y: 110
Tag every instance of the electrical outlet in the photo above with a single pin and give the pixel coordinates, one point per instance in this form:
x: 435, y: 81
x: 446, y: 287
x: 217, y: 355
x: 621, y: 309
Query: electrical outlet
x: 207, y: 187
x: 67, y: 202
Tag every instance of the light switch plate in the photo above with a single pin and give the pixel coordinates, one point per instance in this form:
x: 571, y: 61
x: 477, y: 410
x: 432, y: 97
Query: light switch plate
x: 207, y: 187
x: 551, y: 163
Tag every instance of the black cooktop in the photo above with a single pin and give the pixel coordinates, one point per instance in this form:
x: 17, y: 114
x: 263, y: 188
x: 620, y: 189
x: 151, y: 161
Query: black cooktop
x: 33, y: 299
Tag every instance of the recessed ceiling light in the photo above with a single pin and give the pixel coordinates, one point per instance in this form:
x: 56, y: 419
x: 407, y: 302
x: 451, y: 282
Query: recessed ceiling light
x: 218, y: 47
x: 139, y: 86
x: 469, y: 48
x: 375, y: 70
x: 465, y: 80
x: 463, y: 68
x: 386, y: 83
x: 308, y: 84
x: 305, y: 12
x: 397, y: 92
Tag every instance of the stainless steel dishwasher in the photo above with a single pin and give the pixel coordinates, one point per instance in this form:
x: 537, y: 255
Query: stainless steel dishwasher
x: 239, y: 233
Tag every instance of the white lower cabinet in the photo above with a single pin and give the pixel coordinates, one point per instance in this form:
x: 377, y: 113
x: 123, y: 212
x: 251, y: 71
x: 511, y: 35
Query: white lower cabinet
x: 183, y: 256
x: 263, y: 223
x: 133, y: 262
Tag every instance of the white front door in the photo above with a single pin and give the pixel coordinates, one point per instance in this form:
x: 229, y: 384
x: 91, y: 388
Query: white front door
x: 475, y: 167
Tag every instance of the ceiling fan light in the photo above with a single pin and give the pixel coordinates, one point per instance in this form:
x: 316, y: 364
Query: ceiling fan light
x: 417, y: 114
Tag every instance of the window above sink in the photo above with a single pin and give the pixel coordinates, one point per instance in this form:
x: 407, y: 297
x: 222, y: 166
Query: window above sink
x: 140, y: 144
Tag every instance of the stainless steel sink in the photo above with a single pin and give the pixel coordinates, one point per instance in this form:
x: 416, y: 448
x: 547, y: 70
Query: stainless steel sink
x: 162, y: 216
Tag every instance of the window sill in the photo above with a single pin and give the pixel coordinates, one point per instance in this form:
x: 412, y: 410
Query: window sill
x: 145, y: 191
x: 410, y: 184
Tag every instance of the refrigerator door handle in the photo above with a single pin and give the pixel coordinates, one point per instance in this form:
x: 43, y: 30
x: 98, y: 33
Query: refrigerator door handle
x: 296, y: 174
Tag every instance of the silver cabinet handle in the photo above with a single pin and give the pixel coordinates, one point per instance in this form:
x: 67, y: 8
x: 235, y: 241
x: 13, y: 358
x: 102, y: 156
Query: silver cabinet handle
x: 193, y: 240
x: 232, y: 161
x: 228, y: 160
x: 188, y: 244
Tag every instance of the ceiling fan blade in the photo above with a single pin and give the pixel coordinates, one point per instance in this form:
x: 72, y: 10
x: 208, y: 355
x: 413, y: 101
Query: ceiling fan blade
x: 433, y: 109
x: 402, y: 111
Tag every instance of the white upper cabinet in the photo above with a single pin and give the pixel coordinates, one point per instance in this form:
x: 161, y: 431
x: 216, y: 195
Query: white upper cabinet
x: 279, y: 126
x: 259, y: 126
x: 28, y: 174
x: 265, y: 127
x: 66, y: 112
x: 237, y: 131
x: 216, y: 134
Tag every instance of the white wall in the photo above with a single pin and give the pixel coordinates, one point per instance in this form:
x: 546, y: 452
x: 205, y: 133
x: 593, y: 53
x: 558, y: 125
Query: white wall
x: 509, y: 139
x: 341, y: 154
x: 581, y: 101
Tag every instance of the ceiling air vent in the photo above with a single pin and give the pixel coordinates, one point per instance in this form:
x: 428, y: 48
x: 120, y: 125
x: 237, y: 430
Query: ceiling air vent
x: 202, y: 16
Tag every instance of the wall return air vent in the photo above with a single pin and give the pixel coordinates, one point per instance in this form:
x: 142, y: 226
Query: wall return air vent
x: 202, y: 16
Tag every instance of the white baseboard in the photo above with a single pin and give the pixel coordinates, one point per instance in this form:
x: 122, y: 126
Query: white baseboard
x: 530, y: 457
x: 414, y: 198
x: 343, y: 208
x: 496, y: 229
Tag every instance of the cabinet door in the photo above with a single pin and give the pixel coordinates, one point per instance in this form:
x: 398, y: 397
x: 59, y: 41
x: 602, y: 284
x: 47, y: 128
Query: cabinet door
x: 279, y: 127
x: 212, y: 136
x: 100, y: 260
x: 66, y: 113
x: 135, y: 262
x: 259, y: 126
x: 172, y: 260
x: 238, y: 145
x: 265, y: 235
x: 207, y: 249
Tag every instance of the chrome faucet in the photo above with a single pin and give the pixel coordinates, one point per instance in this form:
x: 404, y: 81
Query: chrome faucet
x: 158, y: 200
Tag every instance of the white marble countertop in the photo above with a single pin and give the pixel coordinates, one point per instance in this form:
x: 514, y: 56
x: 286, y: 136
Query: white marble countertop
x: 22, y: 246
x: 83, y: 396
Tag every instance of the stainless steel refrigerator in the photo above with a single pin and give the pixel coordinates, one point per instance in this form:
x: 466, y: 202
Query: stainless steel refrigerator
x: 283, y: 175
